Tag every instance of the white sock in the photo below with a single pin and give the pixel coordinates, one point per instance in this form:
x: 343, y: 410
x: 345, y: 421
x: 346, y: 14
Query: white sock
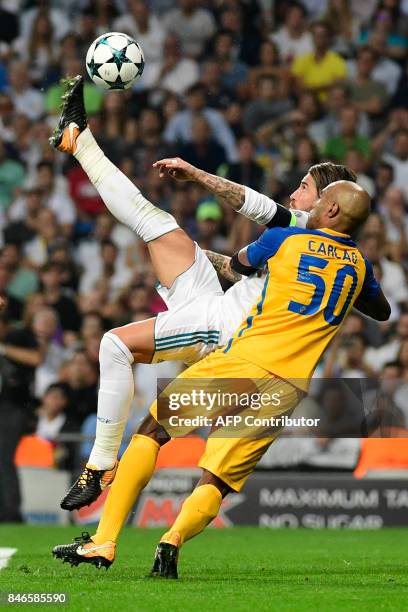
x: 122, y: 198
x: 116, y: 391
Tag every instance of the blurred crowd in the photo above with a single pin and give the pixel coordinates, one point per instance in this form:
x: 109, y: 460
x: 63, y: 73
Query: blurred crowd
x: 254, y: 90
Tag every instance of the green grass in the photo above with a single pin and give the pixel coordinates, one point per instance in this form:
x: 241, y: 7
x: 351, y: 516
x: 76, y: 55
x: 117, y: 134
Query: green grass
x: 239, y: 569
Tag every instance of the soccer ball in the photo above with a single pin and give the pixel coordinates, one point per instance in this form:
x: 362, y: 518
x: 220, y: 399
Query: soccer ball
x: 114, y: 61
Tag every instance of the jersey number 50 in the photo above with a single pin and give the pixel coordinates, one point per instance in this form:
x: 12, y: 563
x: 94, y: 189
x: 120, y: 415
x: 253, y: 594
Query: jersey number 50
x: 311, y: 278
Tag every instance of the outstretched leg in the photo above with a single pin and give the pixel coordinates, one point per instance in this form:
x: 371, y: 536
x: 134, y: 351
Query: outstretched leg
x: 134, y: 472
x: 119, y: 349
x: 172, y: 251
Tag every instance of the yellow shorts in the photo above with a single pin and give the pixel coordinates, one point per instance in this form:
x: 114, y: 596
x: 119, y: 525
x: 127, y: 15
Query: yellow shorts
x: 234, y: 456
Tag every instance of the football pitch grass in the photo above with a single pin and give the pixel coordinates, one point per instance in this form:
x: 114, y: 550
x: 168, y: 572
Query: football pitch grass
x: 239, y: 569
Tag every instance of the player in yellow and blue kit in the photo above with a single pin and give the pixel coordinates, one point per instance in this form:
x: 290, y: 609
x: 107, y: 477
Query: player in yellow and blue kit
x: 314, y: 278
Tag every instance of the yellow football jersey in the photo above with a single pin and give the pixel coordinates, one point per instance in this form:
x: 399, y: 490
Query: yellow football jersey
x: 314, y: 277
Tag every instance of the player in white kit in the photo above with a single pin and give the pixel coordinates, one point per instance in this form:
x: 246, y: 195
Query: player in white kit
x: 201, y: 317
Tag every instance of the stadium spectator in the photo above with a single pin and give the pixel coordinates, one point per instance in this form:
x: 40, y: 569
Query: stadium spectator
x: 398, y: 159
x: 321, y: 68
x: 384, y: 138
x: 381, y: 403
x: 101, y: 13
x: 22, y: 216
x: 386, y: 70
x: 88, y: 254
x: 393, y: 277
x: 402, y: 358
x: 36, y: 250
x: 388, y: 24
x: 400, y: 95
x: 203, y: 151
x: 305, y: 155
x: 269, y: 66
x: 55, y: 193
x: 313, y: 114
x: 138, y: 301
x: 359, y: 164
x: 149, y: 145
x: 182, y: 207
x: 61, y: 254
x: 53, y: 413
x: 378, y: 357
x: 23, y: 281
x: 92, y: 326
x: 243, y: 20
x: 340, y: 414
x: 87, y: 201
x: 346, y: 358
x: 267, y: 105
x: 80, y: 376
x: 292, y: 38
x: 348, y: 138
x: 367, y: 94
x: 364, y: 10
x: 48, y: 334
x: 12, y: 175
x: 58, y: 298
x: 344, y: 25
x: 247, y: 171
x: 178, y: 129
x: 209, y: 216
x: 174, y: 72
x: 339, y: 98
x: 393, y: 212
x: 383, y: 178
x: 12, y: 307
x: 55, y: 419
x: 234, y: 71
x: 59, y: 19
x: 27, y: 100
x: 193, y: 24
x: 315, y: 8
x: 114, y: 275
x: 38, y: 50
x: 219, y: 96
x: 20, y: 355
x: 147, y: 29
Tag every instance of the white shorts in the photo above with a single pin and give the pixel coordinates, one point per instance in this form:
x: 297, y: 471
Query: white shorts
x: 201, y: 317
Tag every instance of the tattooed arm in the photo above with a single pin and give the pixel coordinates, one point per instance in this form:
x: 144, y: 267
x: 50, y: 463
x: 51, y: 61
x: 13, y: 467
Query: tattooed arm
x: 222, y: 264
x: 226, y: 191
x: 248, y: 202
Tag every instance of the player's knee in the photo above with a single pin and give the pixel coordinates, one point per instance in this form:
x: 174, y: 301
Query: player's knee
x: 152, y: 429
x: 113, y: 349
x: 210, y: 478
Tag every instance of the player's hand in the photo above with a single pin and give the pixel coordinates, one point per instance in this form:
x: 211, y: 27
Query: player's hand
x: 177, y: 168
x: 3, y: 303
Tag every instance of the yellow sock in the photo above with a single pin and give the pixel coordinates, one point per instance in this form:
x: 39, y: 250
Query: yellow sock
x: 198, y: 510
x: 134, y: 472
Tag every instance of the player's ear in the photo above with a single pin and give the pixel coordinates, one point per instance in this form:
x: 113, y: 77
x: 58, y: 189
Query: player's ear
x: 333, y: 209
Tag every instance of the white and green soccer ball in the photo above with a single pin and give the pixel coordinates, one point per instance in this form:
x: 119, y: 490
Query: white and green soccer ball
x: 114, y: 61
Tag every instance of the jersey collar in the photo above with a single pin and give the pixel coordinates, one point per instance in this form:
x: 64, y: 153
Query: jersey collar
x: 326, y: 230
